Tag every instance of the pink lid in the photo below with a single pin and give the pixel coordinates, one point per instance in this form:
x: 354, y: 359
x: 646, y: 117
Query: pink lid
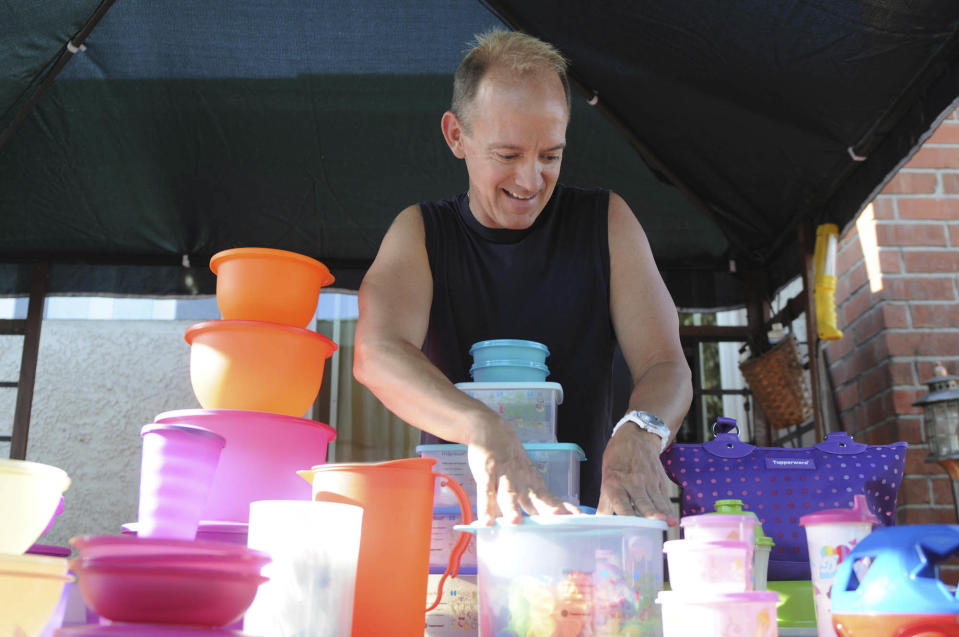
x: 858, y: 514
x: 717, y: 519
x: 131, y: 546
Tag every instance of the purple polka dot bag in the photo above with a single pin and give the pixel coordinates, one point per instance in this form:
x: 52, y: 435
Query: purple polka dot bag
x: 781, y: 484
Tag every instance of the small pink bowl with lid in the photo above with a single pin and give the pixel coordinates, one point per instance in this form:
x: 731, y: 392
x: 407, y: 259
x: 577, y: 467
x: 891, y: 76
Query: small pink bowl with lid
x: 719, y: 527
x: 709, y: 567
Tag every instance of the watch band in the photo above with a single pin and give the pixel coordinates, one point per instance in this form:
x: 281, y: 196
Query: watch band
x: 647, y: 422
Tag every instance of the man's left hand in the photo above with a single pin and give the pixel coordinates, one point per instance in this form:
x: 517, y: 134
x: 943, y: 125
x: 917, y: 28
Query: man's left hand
x: 634, y: 481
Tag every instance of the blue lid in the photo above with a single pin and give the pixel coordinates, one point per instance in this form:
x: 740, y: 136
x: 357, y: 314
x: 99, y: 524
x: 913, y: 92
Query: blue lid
x: 587, y: 523
x: 529, y: 446
x: 556, y: 446
x: 895, y: 570
x: 509, y: 363
x: 509, y: 342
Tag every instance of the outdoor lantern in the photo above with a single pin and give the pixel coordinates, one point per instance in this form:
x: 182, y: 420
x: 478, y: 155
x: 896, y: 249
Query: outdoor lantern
x: 940, y: 416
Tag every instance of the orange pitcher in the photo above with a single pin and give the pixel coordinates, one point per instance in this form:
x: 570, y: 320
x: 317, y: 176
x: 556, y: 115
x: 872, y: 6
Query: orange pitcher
x: 391, y: 573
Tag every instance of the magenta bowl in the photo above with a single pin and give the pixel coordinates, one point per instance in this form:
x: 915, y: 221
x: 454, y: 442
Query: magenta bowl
x: 263, y: 452
x: 159, y: 595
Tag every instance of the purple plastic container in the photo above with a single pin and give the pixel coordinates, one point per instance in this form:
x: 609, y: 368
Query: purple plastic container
x: 176, y: 471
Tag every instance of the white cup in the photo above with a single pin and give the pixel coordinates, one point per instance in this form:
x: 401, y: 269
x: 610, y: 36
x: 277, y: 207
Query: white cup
x: 830, y: 536
x: 314, y: 548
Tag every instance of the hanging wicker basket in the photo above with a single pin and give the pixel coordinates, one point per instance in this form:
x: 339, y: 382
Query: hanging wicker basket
x: 778, y: 381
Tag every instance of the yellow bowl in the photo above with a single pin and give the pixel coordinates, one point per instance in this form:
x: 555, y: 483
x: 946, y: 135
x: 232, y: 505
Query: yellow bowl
x: 34, y: 565
x: 29, y: 495
x: 29, y: 599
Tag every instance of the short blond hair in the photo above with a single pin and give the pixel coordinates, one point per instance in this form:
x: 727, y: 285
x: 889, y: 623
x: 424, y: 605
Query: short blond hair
x: 510, y: 50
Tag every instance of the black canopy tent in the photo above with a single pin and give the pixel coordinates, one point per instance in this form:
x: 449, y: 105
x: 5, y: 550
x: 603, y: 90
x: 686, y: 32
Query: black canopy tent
x: 186, y: 128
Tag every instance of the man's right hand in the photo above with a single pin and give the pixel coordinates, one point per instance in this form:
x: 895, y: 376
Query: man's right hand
x: 507, y: 483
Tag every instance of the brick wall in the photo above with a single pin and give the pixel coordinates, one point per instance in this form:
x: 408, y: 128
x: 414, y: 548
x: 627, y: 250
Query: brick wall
x: 904, y: 318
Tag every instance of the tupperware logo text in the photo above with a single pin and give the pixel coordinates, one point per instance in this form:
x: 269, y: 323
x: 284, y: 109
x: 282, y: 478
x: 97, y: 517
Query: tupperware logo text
x: 790, y: 463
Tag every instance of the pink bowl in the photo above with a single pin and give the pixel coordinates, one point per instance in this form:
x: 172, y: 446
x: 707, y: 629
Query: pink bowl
x: 156, y: 595
x: 262, y: 455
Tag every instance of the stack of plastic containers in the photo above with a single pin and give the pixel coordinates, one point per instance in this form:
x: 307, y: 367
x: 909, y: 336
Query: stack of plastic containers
x: 30, y: 585
x: 256, y: 372
x: 510, y: 378
x: 711, y: 577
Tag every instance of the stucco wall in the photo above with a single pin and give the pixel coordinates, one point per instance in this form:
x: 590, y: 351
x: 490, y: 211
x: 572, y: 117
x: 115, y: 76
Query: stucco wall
x: 97, y: 383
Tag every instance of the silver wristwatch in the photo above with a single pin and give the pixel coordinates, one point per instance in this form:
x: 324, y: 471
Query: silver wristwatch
x: 648, y: 422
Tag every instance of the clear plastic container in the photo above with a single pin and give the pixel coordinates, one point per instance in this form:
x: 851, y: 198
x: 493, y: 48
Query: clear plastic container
x: 530, y: 408
x: 458, y: 612
x: 557, y: 462
x: 570, y: 575
x: 443, y: 538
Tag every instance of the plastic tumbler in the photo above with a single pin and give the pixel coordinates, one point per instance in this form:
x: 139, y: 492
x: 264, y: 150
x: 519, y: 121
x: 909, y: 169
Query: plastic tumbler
x: 831, y: 535
x: 314, y: 547
x: 176, y: 470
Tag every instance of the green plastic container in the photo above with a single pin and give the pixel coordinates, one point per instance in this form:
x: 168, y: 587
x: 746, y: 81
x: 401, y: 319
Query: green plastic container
x: 795, y: 608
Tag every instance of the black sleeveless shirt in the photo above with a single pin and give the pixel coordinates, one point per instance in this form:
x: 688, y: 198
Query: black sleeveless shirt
x: 547, y: 283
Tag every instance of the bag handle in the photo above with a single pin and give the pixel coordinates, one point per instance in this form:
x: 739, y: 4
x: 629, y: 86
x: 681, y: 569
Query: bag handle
x: 726, y: 442
x: 841, y: 443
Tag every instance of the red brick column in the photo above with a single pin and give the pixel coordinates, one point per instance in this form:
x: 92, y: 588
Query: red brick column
x: 904, y: 320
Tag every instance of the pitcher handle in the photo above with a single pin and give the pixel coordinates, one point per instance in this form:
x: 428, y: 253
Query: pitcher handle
x: 466, y: 510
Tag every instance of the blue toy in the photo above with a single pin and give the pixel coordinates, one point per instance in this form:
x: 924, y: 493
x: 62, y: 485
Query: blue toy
x: 895, y: 570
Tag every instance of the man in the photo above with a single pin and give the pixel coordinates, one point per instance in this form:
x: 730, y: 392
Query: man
x: 518, y: 256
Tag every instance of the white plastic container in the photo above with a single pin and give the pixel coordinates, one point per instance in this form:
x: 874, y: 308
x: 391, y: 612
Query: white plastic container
x: 458, y: 612
x: 529, y: 407
x: 557, y: 462
x: 709, y: 567
x: 570, y: 575
x: 752, y: 613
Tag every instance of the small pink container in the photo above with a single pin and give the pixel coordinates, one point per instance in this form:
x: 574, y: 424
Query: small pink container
x: 176, y: 471
x: 709, y: 567
x: 719, y: 527
x: 262, y: 455
x: 734, y: 614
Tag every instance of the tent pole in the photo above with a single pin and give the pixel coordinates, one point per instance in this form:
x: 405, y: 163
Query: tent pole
x: 812, y: 329
x: 65, y: 56
x: 28, y: 363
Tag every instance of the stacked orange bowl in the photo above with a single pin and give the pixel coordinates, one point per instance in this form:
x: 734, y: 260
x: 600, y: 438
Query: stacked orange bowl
x: 256, y: 373
x: 261, y: 357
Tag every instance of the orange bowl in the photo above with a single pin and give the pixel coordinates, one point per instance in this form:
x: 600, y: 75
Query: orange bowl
x: 256, y: 366
x: 262, y: 284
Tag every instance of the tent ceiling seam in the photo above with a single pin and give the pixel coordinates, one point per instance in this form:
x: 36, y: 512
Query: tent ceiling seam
x: 70, y: 48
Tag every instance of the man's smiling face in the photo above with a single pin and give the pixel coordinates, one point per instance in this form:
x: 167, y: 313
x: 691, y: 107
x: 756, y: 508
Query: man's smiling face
x: 513, y: 146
